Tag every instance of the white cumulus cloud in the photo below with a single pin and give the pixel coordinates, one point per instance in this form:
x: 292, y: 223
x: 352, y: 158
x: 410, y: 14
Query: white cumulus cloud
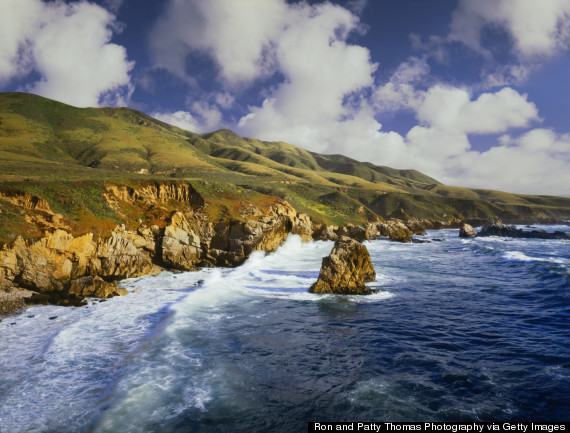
x: 237, y: 34
x: 202, y: 117
x: 182, y: 119
x: 323, y: 96
x: 536, y: 27
x: 321, y: 71
x: 69, y: 46
x: 451, y: 109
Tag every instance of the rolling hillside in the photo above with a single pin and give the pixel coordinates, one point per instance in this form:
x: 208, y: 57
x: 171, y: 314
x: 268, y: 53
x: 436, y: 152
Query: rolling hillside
x: 66, y: 154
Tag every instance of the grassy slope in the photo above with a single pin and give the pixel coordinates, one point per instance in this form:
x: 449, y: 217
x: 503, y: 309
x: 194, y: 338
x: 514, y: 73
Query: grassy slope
x: 66, y: 154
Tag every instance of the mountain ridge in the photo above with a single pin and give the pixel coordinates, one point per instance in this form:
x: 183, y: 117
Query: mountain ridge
x: 53, y: 150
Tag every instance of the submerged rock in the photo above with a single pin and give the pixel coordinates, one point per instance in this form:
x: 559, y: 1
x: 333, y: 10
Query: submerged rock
x: 466, y: 231
x: 345, y: 270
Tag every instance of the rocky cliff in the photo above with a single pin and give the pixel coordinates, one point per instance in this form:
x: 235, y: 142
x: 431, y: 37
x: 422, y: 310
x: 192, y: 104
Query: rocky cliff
x: 160, y: 225
x: 64, y: 268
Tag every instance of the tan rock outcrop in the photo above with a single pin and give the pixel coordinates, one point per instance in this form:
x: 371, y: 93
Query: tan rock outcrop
x: 345, y: 270
x: 234, y: 240
x: 26, y: 200
x: 325, y: 232
x: 181, y: 247
x: 302, y: 226
x: 50, y: 263
x: 396, y: 230
x: 466, y: 231
x: 153, y: 193
x: 354, y: 232
x: 118, y: 257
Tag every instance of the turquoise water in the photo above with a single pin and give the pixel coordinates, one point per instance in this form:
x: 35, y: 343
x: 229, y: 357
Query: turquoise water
x: 460, y: 330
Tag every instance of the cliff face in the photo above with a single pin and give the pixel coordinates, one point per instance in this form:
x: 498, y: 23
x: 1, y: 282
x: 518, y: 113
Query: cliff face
x: 59, y: 262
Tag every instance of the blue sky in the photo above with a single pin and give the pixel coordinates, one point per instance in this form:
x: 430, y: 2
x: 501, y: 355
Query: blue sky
x: 472, y: 92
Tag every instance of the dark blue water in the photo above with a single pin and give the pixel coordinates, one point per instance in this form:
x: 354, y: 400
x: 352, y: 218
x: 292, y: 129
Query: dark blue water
x: 461, y: 330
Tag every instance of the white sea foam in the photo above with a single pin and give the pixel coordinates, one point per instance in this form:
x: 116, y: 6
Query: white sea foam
x: 171, y: 348
x: 517, y: 256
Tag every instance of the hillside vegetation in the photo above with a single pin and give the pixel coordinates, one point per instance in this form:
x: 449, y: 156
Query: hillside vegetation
x: 68, y: 155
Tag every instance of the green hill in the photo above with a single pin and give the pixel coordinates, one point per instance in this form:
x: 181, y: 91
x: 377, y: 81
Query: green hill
x: 66, y: 154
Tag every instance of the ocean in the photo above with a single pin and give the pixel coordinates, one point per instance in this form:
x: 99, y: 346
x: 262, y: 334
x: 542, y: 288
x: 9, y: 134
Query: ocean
x: 459, y: 330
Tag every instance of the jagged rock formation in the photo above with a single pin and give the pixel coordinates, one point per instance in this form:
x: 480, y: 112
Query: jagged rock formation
x: 181, y: 246
x: 345, y: 270
x: 497, y: 228
x: 466, y: 231
x: 153, y: 193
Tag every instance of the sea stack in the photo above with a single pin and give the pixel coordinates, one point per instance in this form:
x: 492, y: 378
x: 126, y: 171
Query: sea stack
x: 345, y: 270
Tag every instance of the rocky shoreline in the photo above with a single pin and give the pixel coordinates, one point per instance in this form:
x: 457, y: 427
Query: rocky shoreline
x: 63, y: 269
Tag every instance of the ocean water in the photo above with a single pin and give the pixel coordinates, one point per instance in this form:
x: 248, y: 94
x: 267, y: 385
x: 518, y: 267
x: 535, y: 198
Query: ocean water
x: 460, y: 330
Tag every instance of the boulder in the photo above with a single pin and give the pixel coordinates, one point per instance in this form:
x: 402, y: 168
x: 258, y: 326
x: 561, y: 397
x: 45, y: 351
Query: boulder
x: 345, y: 270
x: 466, y: 231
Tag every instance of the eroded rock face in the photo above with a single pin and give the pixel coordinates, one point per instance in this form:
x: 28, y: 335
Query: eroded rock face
x: 234, y: 241
x: 181, y: 246
x: 154, y: 193
x: 345, y: 270
x: 26, y: 200
x: 302, y: 226
x: 466, y: 231
x: 118, y: 257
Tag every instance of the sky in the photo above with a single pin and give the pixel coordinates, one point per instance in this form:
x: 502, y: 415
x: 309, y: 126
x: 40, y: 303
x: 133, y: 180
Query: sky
x: 474, y: 93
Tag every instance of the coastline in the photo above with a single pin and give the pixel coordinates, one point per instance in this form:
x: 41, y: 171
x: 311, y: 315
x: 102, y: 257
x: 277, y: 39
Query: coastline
x: 48, y: 270
x: 457, y: 315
